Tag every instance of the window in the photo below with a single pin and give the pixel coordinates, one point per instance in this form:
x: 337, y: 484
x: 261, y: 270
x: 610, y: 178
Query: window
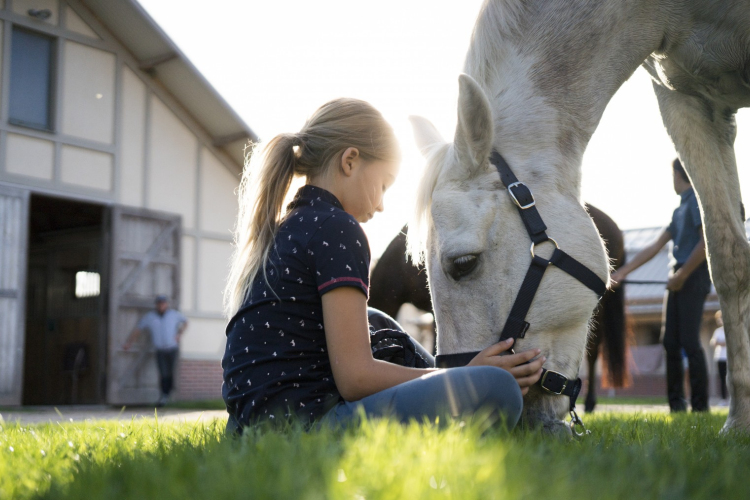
x: 31, y: 79
x: 87, y: 284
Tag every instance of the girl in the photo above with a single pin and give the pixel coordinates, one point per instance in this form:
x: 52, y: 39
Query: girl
x: 298, y: 342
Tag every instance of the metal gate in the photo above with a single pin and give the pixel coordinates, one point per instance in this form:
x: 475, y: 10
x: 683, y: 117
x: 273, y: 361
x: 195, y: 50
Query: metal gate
x: 145, y: 262
x: 14, y: 220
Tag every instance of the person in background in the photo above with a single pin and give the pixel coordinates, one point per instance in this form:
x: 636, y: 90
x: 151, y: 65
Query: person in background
x: 689, y: 284
x: 166, y: 327
x: 719, y: 343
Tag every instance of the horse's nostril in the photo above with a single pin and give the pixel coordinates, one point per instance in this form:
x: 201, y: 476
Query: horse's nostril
x: 463, y: 265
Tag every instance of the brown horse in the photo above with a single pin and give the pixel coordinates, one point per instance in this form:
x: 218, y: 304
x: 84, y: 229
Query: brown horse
x: 395, y: 281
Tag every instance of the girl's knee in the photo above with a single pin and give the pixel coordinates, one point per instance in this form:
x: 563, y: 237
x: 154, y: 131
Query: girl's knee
x: 504, y: 391
x: 495, y: 388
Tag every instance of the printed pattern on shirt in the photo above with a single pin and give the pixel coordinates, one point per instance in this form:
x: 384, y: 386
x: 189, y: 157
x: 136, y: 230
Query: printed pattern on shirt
x: 276, y: 359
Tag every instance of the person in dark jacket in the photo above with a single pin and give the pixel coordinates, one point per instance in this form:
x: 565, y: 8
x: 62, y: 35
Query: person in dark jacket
x: 689, y: 284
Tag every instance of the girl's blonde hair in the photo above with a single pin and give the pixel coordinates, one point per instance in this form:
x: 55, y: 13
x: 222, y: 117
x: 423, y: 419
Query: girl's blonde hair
x: 334, y: 127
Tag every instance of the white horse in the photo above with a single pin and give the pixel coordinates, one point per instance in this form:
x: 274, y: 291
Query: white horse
x: 538, y: 77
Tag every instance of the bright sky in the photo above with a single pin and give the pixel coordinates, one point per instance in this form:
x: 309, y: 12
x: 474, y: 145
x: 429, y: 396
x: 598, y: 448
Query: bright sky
x: 276, y: 61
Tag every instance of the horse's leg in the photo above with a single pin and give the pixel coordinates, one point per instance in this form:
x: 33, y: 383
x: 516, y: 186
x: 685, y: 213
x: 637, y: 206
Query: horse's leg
x: 592, y: 353
x: 704, y: 134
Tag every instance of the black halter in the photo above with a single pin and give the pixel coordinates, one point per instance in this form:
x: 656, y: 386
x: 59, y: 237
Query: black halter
x: 516, y: 325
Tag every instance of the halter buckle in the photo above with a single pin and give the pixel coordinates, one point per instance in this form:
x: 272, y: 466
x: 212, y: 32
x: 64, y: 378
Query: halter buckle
x: 555, y: 380
x: 515, y: 200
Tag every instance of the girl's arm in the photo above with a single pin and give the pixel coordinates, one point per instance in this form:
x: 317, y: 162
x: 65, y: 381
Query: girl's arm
x: 357, y: 374
x: 696, y: 258
x: 640, y: 258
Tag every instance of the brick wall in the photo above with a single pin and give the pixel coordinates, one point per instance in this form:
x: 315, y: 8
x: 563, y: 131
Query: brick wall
x: 198, y: 379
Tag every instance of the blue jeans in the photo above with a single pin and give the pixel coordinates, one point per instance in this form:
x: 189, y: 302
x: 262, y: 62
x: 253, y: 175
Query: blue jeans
x: 453, y: 392
x: 165, y: 361
x: 682, y: 328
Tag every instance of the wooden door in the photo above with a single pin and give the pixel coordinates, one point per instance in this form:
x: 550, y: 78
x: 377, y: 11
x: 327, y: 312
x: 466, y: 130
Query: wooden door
x: 145, y: 263
x: 14, y: 222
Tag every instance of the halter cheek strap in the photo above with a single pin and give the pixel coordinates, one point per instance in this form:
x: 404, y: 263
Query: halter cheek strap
x: 516, y: 325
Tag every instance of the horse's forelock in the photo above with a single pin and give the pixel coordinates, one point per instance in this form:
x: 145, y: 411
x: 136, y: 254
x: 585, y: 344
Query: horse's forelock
x: 416, y: 242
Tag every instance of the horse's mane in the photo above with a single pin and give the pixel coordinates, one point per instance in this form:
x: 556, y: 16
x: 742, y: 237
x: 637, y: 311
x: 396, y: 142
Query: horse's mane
x: 416, y: 237
x: 498, y: 21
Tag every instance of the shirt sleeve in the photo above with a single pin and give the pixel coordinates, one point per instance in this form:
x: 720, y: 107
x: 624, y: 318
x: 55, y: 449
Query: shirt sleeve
x: 144, y: 322
x: 341, y: 255
x: 181, y: 319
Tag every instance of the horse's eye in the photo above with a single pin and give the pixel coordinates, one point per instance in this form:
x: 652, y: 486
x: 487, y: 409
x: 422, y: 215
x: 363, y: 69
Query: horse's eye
x: 461, y: 266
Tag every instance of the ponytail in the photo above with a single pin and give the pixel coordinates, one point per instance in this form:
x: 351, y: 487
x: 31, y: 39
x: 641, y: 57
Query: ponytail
x: 264, y: 184
x: 270, y: 169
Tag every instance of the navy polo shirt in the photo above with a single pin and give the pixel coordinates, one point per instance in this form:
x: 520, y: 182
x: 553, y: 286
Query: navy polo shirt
x: 685, y: 227
x: 276, y: 359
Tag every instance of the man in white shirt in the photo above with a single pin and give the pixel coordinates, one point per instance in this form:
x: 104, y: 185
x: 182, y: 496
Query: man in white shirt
x: 166, y: 327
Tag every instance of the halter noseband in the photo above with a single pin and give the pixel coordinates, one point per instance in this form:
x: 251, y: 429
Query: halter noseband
x: 516, y: 325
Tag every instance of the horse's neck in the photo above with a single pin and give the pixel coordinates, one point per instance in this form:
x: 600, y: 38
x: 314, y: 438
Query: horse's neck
x: 549, y: 69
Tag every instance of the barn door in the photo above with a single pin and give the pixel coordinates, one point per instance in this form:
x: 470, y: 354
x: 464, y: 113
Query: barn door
x: 14, y: 220
x: 145, y: 263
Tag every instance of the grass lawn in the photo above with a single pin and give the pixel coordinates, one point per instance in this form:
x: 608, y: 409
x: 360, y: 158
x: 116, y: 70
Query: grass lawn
x: 641, y: 456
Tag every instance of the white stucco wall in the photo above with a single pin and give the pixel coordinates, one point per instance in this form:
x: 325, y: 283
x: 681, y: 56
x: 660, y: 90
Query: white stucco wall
x: 88, y: 93
x: 86, y: 167
x: 188, y: 273
x: 213, y: 267
x: 73, y: 22
x: 171, y: 164
x: 218, y: 197
x: 203, y: 339
x: 133, y: 123
x: 29, y: 156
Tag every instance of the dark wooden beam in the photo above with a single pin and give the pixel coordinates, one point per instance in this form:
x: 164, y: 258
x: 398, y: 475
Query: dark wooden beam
x: 220, y: 142
x: 148, y: 65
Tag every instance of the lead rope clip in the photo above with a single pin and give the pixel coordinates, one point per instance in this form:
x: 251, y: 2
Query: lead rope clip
x: 576, y: 425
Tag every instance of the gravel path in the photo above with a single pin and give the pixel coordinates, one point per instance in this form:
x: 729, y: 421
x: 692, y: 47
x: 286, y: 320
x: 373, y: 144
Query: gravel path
x: 45, y: 414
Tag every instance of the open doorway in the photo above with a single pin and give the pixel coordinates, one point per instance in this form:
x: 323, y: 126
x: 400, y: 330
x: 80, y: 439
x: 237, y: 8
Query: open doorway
x: 65, y: 351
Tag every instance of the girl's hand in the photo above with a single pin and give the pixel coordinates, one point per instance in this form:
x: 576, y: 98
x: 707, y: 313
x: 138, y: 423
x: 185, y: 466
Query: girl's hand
x: 616, y: 278
x: 519, y: 365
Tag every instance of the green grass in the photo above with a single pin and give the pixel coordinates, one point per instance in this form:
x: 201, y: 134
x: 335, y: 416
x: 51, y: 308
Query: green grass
x: 638, y: 455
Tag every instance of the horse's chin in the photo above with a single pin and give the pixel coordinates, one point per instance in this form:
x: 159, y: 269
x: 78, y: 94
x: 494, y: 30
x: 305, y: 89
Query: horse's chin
x: 545, y: 413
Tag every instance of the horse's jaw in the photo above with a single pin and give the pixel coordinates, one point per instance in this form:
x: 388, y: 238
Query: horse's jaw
x: 545, y: 412
x: 564, y: 353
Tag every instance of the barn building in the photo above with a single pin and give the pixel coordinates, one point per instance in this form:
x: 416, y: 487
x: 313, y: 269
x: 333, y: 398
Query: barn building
x: 118, y: 166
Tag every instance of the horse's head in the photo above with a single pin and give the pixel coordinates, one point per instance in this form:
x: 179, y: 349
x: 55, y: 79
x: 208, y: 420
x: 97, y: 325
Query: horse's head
x: 478, y: 251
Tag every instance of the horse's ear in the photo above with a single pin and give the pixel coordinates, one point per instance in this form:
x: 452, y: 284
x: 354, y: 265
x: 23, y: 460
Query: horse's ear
x: 425, y: 134
x: 473, y: 140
